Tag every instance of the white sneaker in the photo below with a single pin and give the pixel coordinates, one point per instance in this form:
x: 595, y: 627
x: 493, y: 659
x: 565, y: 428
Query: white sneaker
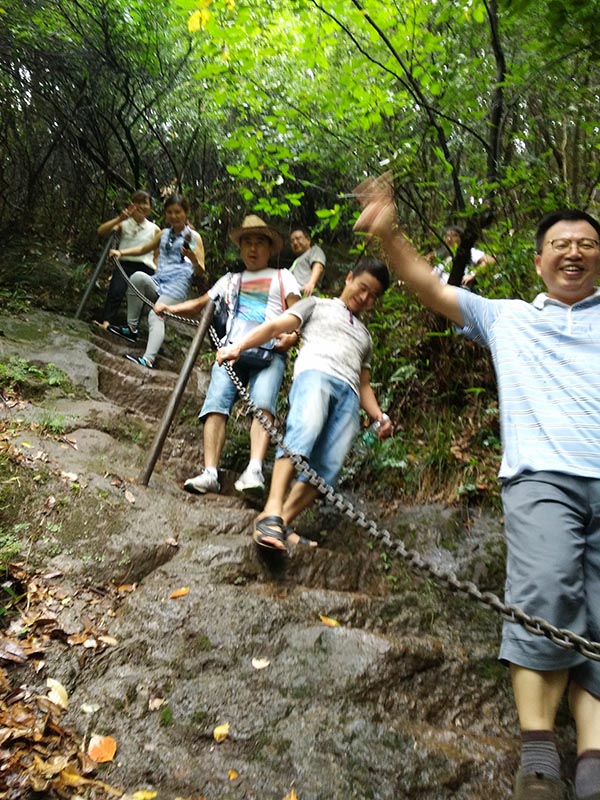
x: 251, y: 480
x: 205, y: 482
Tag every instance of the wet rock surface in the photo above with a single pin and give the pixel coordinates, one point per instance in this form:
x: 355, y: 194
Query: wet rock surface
x: 403, y: 699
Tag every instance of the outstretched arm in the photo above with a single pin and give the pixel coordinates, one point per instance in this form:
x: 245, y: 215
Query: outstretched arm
x: 379, y: 218
x: 285, y: 323
x: 138, y: 251
x: 187, y: 308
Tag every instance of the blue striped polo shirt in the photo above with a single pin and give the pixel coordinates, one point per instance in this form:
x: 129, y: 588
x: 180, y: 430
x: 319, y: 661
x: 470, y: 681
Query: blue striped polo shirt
x: 547, y: 360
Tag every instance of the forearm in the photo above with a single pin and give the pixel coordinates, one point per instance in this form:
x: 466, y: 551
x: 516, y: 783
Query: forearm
x: 189, y: 308
x: 199, y: 265
x: 133, y: 251
x: 315, y: 274
x: 415, y: 271
x: 108, y: 227
x: 368, y: 402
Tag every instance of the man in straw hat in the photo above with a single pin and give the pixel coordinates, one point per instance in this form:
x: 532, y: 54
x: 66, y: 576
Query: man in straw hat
x: 257, y: 294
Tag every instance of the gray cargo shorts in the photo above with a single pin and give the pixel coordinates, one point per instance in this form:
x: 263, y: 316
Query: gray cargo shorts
x: 552, y: 526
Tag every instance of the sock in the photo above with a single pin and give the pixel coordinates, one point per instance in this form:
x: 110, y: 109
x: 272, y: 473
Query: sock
x: 587, y: 774
x: 212, y: 471
x: 255, y: 465
x: 539, y: 754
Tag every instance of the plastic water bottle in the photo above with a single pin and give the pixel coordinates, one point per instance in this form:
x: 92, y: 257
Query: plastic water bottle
x: 370, y: 437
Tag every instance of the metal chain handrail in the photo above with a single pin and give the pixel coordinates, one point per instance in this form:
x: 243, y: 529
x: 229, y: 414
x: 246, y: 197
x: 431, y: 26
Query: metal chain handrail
x: 562, y: 637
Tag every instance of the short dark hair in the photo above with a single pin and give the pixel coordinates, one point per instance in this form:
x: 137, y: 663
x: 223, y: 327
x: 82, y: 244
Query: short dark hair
x: 374, y: 267
x: 177, y: 199
x: 568, y: 214
x: 302, y: 229
x: 141, y: 196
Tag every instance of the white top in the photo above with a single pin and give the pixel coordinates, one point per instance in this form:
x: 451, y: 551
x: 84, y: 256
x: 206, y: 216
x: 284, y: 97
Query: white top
x: 334, y: 341
x: 137, y: 234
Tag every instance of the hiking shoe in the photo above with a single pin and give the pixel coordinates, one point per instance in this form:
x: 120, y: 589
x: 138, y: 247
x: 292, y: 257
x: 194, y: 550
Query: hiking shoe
x: 140, y: 360
x: 205, y: 482
x: 251, y: 481
x: 124, y: 331
x: 538, y: 787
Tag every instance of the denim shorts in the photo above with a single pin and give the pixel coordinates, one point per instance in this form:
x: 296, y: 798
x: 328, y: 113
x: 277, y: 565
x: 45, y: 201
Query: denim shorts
x: 322, y: 422
x: 552, y: 524
x: 263, y: 387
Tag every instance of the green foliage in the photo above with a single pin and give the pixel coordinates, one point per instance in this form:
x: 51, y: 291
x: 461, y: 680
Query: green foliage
x: 27, y: 379
x: 10, y: 546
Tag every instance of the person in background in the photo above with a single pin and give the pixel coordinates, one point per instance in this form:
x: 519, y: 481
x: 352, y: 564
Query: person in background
x: 545, y: 354
x: 442, y: 263
x: 309, y: 263
x: 260, y: 292
x: 331, y: 382
x: 134, y: 230
x: 180, y: 257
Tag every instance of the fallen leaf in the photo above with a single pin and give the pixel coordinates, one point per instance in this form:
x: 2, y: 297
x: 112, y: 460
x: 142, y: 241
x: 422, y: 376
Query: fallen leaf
x: 144, y: 794
x: 260, y: 663
x: 50, y: 503
x: 331, y: 623
x: 172, y: 542
x: 180, y: 592
x: 129, y: 497
x: 102, y: 748
x: 72, y: 476
x: 233, y: 775
x: 108, y: 640
x: 221, y: 732
x: 291, y: 796
x: 57, y: 694
x: 90, y: 708
x: 127, y: 587
x: 155, y: 703
x: 26, y: 444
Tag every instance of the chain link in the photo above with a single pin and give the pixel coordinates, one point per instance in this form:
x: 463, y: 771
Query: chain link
x: 561, y: 637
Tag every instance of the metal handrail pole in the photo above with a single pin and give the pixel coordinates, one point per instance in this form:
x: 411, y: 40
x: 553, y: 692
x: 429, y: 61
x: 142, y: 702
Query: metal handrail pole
x: 94, y: 278
x: 176, y: 394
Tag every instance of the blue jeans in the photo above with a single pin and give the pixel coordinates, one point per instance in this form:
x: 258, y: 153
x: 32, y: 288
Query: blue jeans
x: 263, y: 385
x: 322, y: 422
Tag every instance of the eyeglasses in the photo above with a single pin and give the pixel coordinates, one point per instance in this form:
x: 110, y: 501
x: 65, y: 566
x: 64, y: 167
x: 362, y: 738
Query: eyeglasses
x: 583, y: 245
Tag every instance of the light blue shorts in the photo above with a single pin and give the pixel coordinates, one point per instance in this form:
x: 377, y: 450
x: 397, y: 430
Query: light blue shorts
x: 322, y: 422
x: 552, y: 524
x: 263, y: 385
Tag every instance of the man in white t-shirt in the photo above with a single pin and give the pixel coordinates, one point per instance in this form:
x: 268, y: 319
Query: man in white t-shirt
x: 259, y: 293
x: 332, y: 380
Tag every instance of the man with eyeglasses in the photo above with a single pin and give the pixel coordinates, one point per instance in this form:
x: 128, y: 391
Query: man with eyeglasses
x: 546, y: 356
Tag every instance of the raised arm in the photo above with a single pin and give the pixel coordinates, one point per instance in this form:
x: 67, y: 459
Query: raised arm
x: 379, y: 218
x: 196, y: 256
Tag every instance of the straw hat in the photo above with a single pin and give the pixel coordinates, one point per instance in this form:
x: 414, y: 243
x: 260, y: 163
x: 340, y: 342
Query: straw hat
x: 254, y: 224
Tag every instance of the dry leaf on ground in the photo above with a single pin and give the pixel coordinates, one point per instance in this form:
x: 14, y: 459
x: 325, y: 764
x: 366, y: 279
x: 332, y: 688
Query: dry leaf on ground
x: 221, y: 732
x: 102, y: 748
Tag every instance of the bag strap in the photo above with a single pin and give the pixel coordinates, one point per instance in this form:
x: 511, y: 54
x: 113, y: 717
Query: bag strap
x: 232, y: 297
x: 283, y: 300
